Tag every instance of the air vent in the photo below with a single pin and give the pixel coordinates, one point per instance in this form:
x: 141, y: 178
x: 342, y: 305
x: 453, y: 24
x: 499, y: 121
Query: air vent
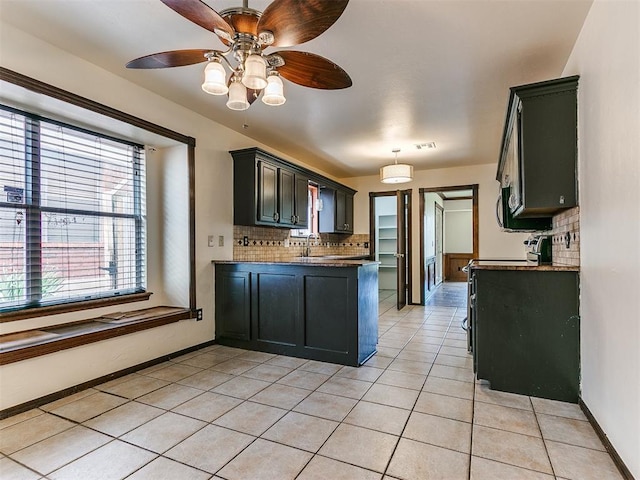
x: 427, y: 145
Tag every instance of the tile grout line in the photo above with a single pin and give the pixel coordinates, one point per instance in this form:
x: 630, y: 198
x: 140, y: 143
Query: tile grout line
x: 418, y: 397
x: 544, y: 443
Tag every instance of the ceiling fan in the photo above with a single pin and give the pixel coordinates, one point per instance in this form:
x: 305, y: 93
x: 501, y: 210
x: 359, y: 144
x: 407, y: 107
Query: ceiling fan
x: 247, y: 33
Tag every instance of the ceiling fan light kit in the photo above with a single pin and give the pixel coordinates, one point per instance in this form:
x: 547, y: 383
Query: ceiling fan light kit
x: 237, y: 95
x: 396, y: 172
x: 247, y: 32
x: 215, y: 78
x: 274, y: 92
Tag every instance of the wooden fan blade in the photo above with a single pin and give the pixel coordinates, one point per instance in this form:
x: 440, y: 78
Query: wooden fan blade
x: 293, y: 22
x: 202, y: 14
x: 175, y: 58
x: 310, y: 70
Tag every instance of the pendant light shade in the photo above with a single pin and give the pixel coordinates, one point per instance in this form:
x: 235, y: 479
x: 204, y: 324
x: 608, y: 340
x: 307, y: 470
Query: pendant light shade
x: 255, y: 72
x: 237, y: 96
x: 397, y: 172
x: 274, y: 92
x: 215, y: 78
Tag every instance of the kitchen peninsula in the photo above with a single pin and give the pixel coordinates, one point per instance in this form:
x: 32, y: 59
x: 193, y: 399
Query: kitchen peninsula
x: 319, y: 308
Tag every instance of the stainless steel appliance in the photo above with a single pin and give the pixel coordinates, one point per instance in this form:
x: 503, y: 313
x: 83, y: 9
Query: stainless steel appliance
x: 539, y: 250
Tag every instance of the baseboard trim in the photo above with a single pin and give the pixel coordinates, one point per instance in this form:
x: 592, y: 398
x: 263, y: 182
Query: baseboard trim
x: 624, y: 471
x: 23, y: 407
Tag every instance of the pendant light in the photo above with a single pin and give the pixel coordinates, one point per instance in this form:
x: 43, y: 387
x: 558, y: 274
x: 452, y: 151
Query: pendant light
x: 397, y: 172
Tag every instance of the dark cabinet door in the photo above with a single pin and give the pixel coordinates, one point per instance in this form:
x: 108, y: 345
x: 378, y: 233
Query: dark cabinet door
x: 233, y: 311
x: 302, y: 202
x: 267, y: 193
x: 275, y: 306
x: 325, y: 326
x: 287, y: 206
x: 337, y: 211
x: 348, y: 212
x: 341, y: 211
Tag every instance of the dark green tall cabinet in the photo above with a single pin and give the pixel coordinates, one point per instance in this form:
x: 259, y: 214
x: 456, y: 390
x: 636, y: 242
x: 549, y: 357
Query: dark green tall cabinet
x: 526, y: 331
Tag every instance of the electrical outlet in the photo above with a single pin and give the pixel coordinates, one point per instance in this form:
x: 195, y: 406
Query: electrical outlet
x: 286, y: 242
x: 366, y: 244
x: 198, y: 314
x: 245, y: 241
x: 221, y: 240
x: 210, y: 240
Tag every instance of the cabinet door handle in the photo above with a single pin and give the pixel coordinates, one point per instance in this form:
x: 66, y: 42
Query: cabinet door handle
x: 293, y: 219
x: 498, y: 208
x: 276, y: 216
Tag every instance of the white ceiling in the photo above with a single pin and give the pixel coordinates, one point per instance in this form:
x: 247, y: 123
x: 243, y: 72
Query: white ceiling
x: 422, y: 71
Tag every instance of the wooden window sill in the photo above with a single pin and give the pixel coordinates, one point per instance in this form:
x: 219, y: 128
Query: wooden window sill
x: 72, y: 306
x: 18, y: 346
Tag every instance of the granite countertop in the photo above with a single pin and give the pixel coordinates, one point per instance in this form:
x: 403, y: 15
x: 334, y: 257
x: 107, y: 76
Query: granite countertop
x: 520, y: 265
x: 328, y: 261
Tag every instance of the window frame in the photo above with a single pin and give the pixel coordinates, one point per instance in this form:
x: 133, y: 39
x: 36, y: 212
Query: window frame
x: 35, y: 233
x: 50, y: 93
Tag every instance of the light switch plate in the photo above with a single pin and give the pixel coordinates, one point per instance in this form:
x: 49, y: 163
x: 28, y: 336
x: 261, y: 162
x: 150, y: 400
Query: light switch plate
x: 221, y: 240
x: 210, y: 241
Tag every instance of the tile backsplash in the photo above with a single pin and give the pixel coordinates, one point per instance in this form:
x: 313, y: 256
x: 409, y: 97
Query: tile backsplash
x: 565, y: 238
x: 270, y: 244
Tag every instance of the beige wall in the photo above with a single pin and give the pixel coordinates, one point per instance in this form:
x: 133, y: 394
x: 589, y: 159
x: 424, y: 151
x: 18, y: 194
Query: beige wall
x: 458, y: 226
x: 34, y: 378
x: 493, y: 242
x: 607, y: 58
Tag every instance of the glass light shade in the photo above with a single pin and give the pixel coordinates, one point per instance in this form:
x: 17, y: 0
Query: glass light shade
x: 274, y: 92
x: 255, y: 72
x: 396, y: 173
x: 237, y: 96
x: 215, y: 79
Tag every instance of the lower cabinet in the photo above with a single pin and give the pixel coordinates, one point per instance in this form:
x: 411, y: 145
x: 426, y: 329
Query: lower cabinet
x: 326, y: 313
x: 233, y: 294
x: 526, y: 331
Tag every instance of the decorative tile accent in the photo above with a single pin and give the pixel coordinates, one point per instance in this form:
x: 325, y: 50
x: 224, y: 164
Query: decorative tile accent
x: 268, y: 244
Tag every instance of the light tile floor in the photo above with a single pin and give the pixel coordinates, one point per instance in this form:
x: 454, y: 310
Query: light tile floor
x: 413, y: 412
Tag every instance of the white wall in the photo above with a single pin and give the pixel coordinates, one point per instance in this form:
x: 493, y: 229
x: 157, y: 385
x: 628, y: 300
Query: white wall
x: 34, y: 378
x: 493, y: 242
x: 458, y: 226
x: 607, y: 58
x: 430, y: 199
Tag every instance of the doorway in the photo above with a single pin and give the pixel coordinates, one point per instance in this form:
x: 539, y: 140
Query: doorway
x: 448, y: 235
x: 390, y: 233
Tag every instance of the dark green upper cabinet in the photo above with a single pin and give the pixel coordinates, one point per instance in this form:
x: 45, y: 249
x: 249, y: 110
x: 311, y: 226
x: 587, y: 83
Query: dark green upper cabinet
x: 267, y: 192
x: 270, y: 191
x: 539, y: 149
x: 336, y: 215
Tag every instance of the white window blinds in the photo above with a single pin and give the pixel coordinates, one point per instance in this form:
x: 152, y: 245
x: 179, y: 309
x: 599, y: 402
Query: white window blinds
x: 72, y: 213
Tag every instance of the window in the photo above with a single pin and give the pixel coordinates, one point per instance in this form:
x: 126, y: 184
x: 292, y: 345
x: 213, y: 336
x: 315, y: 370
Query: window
x: 313, y: 207
x: 72, y: 213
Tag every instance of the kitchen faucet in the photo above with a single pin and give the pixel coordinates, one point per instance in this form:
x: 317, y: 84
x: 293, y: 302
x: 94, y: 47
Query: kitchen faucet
x: 307, y: 248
